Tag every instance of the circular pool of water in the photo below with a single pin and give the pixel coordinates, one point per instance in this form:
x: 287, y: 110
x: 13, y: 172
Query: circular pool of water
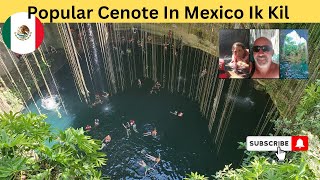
x: 183, y: 143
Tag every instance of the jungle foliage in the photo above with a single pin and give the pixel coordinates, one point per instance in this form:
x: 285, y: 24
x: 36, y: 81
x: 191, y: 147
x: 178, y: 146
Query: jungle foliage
x: 299, y: 165
x: 29, y: 150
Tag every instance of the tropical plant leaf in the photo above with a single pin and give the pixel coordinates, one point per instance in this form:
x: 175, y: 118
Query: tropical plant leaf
x: 10, y: 166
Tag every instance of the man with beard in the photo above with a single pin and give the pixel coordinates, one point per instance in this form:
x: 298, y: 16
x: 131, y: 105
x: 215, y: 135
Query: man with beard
x: 262, y: 53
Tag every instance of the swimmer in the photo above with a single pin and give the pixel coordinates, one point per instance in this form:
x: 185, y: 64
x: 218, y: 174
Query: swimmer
x: 151, y: 133
x: 97, y: 100
x: 88, y: 128
x: 134, y: 126
x: 127, y: 129
x: 97, y: 97
x: 96, y: 122
x: 145, y: 166
x: 139, y: 83
x: 152, y: 158
x: 158, y: 85
x: 105, y: 94
x: 174, y: 113
x: 105, y: 141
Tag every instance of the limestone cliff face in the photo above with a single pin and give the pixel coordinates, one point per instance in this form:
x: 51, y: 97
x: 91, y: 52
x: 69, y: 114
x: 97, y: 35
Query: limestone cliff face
x: 8, y: 101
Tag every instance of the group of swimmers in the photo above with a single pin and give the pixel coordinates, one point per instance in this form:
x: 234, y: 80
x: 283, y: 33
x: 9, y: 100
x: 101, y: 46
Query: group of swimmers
x: 152, y: 158
x: 132, y: 124
x: 128, y: 126
x: 153, y: 133
x: 96, y: 123
x: 105, y: 140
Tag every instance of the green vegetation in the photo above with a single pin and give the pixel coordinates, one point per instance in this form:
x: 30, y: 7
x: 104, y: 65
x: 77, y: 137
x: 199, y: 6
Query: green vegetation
x: 304, y: 165
x: 195, y: 176
x: 294, y: 52
x: 25, y: 151
x: 307, y: 116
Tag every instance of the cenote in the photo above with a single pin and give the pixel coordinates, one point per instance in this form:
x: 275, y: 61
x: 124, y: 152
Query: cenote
x: 217, y: 113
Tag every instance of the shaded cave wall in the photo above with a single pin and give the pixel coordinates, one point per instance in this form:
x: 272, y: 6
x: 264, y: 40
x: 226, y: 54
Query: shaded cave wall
x: 165, y: 58
x: 200, y: 36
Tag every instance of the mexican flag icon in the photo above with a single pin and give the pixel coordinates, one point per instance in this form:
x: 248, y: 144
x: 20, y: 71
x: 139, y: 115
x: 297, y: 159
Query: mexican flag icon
x: 21, y: 34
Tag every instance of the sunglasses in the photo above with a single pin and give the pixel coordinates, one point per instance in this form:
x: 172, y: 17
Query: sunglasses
x: 263, y: 48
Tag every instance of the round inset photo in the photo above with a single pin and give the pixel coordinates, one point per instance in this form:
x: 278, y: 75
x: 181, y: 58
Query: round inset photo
x: 22, y: 34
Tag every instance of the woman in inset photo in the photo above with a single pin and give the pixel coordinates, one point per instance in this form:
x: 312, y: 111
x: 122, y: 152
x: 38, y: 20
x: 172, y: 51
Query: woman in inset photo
x: 234, y: 54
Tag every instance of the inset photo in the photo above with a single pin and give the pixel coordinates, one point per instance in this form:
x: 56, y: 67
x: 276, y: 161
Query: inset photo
x: 234, y: 54
x: 294, y: 54
x: 264, y: 45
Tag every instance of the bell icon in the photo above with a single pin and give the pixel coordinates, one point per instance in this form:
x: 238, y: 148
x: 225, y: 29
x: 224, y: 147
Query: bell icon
x: 299, y: 143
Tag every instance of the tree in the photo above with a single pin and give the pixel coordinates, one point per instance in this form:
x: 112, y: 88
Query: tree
x: 25, y: 151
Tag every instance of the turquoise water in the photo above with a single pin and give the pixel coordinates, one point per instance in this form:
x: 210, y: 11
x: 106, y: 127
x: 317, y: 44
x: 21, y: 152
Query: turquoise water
x: 293, y: 70
x: 58, y: 123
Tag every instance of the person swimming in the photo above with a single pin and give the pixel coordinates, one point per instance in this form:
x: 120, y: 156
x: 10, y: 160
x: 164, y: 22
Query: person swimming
x: 139, y: 83
x: 88, y: 127
x: 127, y: 129
x: 105, y: 94
x: 96, y: 122
x: 105, y: 141
x: 176, y: 113
x: 97, y: 100
x: 154, y: 159
x: 134, y: 126
x: 151, y: 133
x: 145, y: 166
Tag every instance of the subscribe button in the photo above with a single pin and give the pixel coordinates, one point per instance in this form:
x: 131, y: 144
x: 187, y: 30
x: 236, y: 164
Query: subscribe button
x: 271, y: 143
